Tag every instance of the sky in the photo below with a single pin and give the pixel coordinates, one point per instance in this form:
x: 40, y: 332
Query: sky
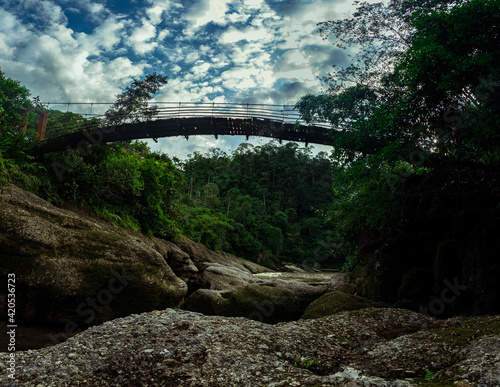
x: 247, y: 51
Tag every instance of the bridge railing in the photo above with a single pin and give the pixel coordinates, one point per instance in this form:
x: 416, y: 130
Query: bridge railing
x: 230, y: 110
x: 167, y: 110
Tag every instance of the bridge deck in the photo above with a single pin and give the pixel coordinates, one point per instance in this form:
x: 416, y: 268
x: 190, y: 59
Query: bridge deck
x: 186, y: 127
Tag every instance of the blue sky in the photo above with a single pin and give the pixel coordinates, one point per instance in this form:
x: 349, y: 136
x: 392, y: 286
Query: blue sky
x: 264, y: 51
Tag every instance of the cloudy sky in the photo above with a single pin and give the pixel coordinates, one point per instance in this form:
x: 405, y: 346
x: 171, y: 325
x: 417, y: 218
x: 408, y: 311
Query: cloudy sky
x: 257, y: 51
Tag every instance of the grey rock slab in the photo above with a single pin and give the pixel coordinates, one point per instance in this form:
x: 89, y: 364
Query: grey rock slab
x: 182, y: 348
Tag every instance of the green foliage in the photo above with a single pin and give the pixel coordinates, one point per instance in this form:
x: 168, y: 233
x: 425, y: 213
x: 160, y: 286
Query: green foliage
x: 126, y: 183
x: 350, y: 112
x: 207, y: 227
x: 16, y: 164
x: 68, y: 122
x: 379, y: 33
x: 305, y: 363
x: 451, y: 76
x: 271, y: 198
x: 14, y: 100
x: 414, y: 117
x: 428, y: 374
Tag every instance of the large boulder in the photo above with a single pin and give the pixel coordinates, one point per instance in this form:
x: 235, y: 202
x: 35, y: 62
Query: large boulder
x: 309, y: 278
x: 201, y: 256
x: 369, y: 347
x: 269, y: 302
x: 231, y: 289
x: 217, y: 276
x: 335, y: 302
x: 72, y: 270
x: 230, y: 286
x: 179, y: 261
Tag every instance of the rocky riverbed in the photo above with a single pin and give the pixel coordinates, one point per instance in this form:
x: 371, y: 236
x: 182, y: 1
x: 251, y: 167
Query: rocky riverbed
x: 74, y: 271
x: 368, y: 347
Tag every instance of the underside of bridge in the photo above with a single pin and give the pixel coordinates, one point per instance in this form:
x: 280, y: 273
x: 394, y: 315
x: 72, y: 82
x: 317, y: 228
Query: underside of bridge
x: 189, y: 127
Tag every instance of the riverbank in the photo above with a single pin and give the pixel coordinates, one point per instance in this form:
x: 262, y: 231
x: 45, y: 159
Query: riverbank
x: 368, y: 347
x: 106, y: 301
x: 74, y: 271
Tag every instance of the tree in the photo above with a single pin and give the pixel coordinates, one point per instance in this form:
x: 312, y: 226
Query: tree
x: 423, y: 127
x: 125, y: 183
x: 451, y: 75
x: 439, y: 73
x: 132, y: 105
x: 16, y: 163
x: 348, y: 111
x: 231, y: 195
x: 379, y: 33
x: 14, y: 100
x: 265, y: 193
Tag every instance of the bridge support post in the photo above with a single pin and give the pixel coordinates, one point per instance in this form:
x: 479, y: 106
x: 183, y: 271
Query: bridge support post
x: 42, y: 124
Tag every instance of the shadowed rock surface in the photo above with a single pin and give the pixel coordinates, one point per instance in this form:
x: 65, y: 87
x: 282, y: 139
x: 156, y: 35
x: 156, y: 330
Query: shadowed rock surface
x: 369, y: 347
x: 72, y: 268
x: 266, y: 296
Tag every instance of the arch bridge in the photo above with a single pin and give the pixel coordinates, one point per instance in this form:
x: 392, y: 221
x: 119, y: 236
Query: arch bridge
x: 281, y: 122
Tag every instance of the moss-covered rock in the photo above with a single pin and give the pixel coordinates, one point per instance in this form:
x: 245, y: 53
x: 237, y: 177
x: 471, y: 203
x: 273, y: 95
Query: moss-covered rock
x: 178, y: 260
x: 201, y: 256
x: 73, y: 269
x: 209, y: 302
x: 276, y: 302
x: 335, y: 302
x: 270, y: 302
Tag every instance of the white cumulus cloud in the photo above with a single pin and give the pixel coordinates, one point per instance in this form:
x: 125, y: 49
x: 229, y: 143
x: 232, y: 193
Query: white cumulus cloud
x: 205, y: 11
x: 141, y: 37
